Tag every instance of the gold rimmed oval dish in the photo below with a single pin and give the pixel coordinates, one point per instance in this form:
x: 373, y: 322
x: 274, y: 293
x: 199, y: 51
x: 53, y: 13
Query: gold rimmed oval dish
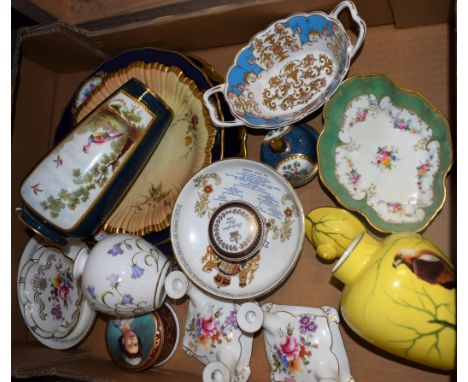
x: 184, y: 150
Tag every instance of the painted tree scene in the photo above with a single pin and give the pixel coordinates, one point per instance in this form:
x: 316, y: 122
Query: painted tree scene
x: 89, y: 157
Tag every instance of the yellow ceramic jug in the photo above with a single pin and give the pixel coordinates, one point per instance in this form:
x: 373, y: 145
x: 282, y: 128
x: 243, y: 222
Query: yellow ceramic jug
x: 331, y: 230
x: 400, y: 295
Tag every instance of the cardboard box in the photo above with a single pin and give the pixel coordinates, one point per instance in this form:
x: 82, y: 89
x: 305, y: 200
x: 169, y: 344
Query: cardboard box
x: 54, y: 59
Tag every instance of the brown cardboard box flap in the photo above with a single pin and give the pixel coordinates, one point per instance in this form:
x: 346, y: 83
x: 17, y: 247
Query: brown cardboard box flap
x: 30, y: 358
x: 415, y: 58
x: 48, y: 44
x: 228, y: 24
x: 98, y: 15
x: 101, y: 370
x: 422, y: 12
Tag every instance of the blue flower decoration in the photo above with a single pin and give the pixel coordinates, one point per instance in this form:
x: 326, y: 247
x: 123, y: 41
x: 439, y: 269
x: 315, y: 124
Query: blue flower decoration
x: 116, y: 250
x: 231, y: 319
x: 127, y: 299
x: 284, y: 360
x: 113, y: 279
x: 137, y: 271
x: 92, y: 291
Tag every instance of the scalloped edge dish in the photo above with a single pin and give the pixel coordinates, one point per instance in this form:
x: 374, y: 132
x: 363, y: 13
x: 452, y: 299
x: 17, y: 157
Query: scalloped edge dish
x: 431, y: 124
x: 147, y: 206
x: 228, y: 143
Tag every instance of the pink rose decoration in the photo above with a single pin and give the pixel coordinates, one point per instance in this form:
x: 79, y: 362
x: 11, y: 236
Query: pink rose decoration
x: 208, y: 325
x: 290, y: 346
x: 63, y: 292
x: 362, y: 115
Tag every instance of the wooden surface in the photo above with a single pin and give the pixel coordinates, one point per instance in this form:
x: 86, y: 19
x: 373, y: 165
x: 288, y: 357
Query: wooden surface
x: 415, y: 58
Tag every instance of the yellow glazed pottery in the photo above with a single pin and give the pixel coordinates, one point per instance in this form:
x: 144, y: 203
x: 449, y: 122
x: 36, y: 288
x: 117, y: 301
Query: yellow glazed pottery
x: 400, y: 295
x: 331, y: 230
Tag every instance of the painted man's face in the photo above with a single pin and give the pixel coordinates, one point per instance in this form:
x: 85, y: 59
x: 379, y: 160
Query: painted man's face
x: 130, y: 342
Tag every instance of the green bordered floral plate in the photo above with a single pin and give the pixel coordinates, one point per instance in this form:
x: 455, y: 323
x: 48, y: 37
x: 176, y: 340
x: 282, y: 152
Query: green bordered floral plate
x: 385, y: 152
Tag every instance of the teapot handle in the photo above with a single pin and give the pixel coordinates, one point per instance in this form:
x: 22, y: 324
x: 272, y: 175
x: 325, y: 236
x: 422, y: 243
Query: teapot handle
x: 354, y: 14
x: 212, y: 110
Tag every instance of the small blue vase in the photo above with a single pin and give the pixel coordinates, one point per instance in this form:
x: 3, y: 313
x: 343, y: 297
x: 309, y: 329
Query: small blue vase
x: 292, y: 151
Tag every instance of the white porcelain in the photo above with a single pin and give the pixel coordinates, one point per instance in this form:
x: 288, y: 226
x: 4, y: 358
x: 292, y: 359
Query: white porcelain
x: 375, y: 150
x: 50, y: 299
x: 87, y: 88
x: 211, y: 333
x: 188, y: 141
x: 302, y: 344
x: 385, y: 153
x: 123, y: 276
x: 288, y: 70
x: 76, y: 185
x: 78, y: 334
x: 253, y: 264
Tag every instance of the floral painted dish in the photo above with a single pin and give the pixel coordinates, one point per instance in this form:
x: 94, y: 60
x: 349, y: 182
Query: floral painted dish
x: 245, y: 190
x: 303, y: 344
x: 288, y: 70
x: 51, y: 302
x: 188, y: 141
x: 385, y: 152
x: 231, y: 142
x: 211, y: 332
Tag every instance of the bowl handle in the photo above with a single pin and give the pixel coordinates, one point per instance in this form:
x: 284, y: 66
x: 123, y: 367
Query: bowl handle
x: 354, y: 14
x: 212, y: 110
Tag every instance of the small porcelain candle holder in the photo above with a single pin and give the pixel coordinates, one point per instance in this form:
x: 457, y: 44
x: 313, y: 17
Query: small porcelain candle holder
x: 123, y: 276
x: 211, y: 333
x: 292, y: 334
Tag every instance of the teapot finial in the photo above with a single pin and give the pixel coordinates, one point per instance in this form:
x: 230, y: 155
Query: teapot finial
x: 278, y: 145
